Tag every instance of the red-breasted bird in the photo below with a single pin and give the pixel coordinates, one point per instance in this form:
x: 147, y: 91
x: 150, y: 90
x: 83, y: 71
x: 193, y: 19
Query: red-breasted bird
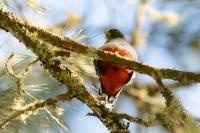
x: 114, y: 78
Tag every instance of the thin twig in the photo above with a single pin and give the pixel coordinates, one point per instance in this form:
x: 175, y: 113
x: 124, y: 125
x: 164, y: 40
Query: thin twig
x: 137, y: 36
x: 143, y: 96
x: 174, y: 115
x: 135, y: 120
x: 28, y: 68
x: 18, y: 79
x: 38, y: 105
x: 165, y: 91
x: 9, y: 69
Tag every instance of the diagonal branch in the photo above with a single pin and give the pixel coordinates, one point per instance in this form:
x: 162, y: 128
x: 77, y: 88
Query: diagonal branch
x: 34, y: 107
x: 70, y: 45
x: 62, y: 73
x: 174, y: 115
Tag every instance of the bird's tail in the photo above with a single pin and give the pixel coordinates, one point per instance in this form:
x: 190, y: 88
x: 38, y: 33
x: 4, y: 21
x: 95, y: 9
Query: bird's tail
x: 108, y: 102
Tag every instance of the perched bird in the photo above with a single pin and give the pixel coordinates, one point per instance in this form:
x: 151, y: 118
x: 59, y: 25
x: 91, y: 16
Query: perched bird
x: 114, y: 78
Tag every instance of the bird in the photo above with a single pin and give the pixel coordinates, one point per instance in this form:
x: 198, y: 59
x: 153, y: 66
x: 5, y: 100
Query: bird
x: 113, y: 79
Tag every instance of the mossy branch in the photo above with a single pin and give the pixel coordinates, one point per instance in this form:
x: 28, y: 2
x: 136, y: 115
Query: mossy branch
x: 17, y: 78
x: 32, y: 108
x: 68, y: 44
x: 63, y: 74
x: 20, y: 77
x: 174, y: 115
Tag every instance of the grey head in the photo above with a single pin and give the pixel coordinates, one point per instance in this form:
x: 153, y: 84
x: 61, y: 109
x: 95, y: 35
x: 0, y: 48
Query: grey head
x: 113, y: 34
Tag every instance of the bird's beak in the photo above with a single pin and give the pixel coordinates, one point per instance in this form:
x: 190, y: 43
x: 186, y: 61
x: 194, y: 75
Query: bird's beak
x: 107, y: 33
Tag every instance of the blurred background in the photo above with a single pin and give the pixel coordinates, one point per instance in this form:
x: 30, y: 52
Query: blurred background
x: 165, y: 34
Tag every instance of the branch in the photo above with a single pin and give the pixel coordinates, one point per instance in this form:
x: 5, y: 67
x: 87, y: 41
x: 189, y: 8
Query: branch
x: 18, y: 79
x: 137, y: 35
x: 70, y: 45
x: 60, y: 72
x: 31, y: 109
x: 143, y: 96
x: 152, y: 89
x: 135, y: 120
x: 174, y: 115
x: 27, y: 69
x: 9, y: 69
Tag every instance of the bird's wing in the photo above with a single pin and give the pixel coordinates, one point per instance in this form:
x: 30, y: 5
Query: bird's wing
x: 99, y: 73
x: 97, y: 69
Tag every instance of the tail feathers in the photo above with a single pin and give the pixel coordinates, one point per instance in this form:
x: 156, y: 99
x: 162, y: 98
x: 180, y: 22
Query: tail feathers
x: 108, y: 102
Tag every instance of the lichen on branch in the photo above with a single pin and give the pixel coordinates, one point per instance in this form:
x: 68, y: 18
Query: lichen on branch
x: 63, y: 74
x: 68, y: 44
